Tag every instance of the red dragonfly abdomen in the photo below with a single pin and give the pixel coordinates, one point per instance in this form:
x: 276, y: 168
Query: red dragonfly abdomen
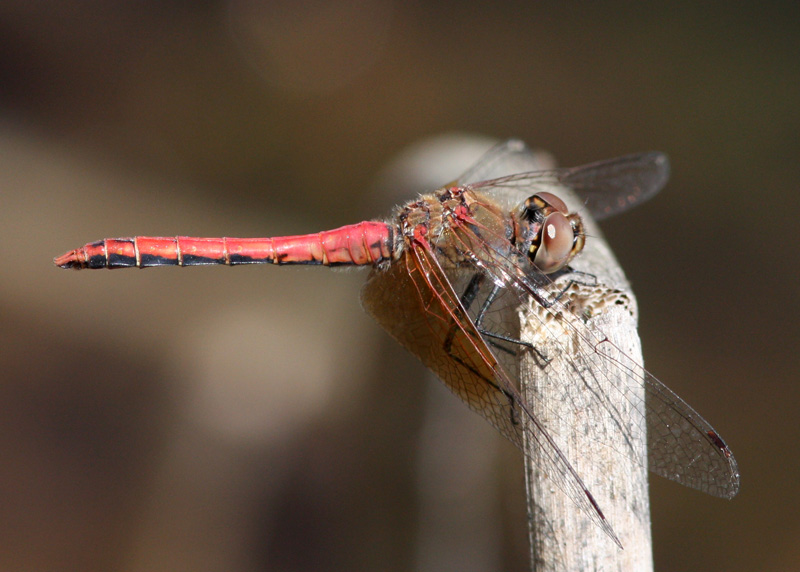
x: 356, y: 244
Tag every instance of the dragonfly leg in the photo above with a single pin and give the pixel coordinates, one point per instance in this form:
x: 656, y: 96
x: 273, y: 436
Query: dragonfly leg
x: 486, y: 305
x: 490, y: 299
x: 467, y: 299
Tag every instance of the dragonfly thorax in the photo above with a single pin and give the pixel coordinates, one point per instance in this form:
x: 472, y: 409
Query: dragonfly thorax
x: 551, y: 235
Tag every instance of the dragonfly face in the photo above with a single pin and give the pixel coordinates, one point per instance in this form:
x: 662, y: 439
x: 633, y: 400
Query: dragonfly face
x: 548, y: 232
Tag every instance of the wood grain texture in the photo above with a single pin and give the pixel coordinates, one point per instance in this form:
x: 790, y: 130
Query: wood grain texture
x: 611, y: 462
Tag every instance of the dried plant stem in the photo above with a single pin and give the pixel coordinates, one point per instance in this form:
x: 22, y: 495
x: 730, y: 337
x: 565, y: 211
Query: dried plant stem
x: 563, y: 537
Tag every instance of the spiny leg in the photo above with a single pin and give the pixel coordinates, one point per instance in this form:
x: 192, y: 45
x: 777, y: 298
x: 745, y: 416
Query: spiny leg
x: 467, y: 299
x: 490, y: 299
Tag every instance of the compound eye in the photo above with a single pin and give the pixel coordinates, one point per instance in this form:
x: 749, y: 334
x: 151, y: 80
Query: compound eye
x: 556, y: 244
x: 553, y: 201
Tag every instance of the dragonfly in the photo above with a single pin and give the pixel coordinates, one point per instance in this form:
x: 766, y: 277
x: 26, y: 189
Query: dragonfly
x: 449, y: 271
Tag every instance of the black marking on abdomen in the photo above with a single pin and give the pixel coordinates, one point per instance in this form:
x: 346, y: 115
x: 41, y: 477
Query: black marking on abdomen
x: 112, y: 261
x: 146, y: 260
x: 194, y: 260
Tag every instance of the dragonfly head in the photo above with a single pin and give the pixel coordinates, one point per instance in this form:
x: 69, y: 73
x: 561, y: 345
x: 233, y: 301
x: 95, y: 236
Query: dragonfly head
x: 552, y: 235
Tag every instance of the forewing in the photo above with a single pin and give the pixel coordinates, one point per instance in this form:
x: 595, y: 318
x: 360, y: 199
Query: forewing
x: 682, y: 446
x: 613, y: 186
x: 424, y: 313
x: 607, y: 187
x: 508, y: 157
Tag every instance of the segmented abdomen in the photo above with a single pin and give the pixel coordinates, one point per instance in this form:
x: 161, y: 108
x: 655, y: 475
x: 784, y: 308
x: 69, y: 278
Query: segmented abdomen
x: 357, y: 244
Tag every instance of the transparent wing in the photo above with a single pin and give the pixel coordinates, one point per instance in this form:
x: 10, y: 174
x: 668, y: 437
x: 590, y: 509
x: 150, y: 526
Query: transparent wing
x: 613, y: 186
x: 508, y: 157
x: 682, y: 446
x: 607, y: 187
x: 414, y: 300
x: 432, y: 296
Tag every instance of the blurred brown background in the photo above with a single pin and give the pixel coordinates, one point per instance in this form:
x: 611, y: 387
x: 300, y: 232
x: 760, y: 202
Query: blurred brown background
x: 255, y: 418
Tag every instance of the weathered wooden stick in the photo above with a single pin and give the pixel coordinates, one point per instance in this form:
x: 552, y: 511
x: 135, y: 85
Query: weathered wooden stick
x: 611, y: 460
